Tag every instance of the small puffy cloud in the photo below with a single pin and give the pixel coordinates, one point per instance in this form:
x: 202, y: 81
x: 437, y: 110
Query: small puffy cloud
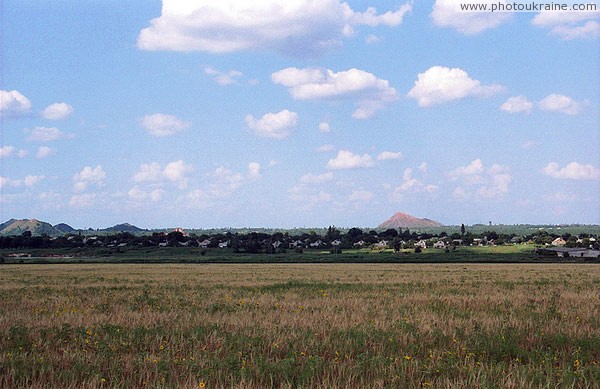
x: 223, y: 78
x: 447, y: 13
x: 561, y: 103
x: 57, y: 111
x: 325, y: 148
x: 483, y: 183
x: 139, y: 195
x: 13, y: 103
x: 572, y: 171
x: 362, y: 196
x: 30, y: 181
x: 517, y: 104
x: 44, y: 152
x: 570, y: 25
x: 149, y: 172
x: 89, y: 176
x: 7, y: 151
x: 345, y: 159
x: 254, y: 171
x: 410, y: 183
x: 313, y: 179
x: 45, y: 134
x: 160, y: 125
x: 324, y: 127
x: 472, y: 169
x: 388, y: 155
x: 225, y: 182
x: 440, y: 84
x: 369, y: 92
x: 273, y: 125
x: 176, y: 172
x: 300, y: 28
x: 84, y: 200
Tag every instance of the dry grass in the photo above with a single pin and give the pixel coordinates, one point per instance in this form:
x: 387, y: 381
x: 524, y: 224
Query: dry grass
x: 300, y: 325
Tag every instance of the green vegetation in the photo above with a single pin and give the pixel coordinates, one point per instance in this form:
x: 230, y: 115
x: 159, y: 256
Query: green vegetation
x: 300, y: 325
x: 500, y: 254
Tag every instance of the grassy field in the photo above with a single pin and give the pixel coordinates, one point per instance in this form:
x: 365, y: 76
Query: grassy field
x: 490, y: 254
x: 300, y: 325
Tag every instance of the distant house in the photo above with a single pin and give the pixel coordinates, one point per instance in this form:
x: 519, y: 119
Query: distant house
x: 559, y: 242
x: 276, y: 244
x: 440, y: 244
x: 204, y: 244
x: 336, y: 242
x: 223, y: 245
x: 565, y: 252
x: 360, y: 243
x: 296, y: 243
x: 422, y: 244
x: 318, y: 243
x: 381, y: 244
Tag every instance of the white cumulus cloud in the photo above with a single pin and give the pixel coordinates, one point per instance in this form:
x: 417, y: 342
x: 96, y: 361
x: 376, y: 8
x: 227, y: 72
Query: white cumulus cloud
x: 57, y: 111
x: 440, y: 84
x: 13, y: 103
x: 388, y: 155
x: 570, y: 25
x: 561, y: 103
x: 175, y: 172
x: 254, y: 171
x: 324, y: 127
x: 223, y: 78
x: 572, y: 171
x: 301, y: 28
x: 89, y: 176
x: 481, y: 182
x: 273, y: 125
x: 517, y: 104
x: 369, y: 92
x: 447, y: 13
x: 44, y: 152
x: 160, y: 125
x: 6, y: 151
x: 345, y: 159
x: 45, y: 134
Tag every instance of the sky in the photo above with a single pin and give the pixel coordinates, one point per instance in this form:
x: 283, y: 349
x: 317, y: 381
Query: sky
x: 204, y: 114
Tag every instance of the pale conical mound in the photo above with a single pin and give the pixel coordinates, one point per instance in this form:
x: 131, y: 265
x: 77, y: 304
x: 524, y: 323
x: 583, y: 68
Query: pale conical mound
x: 403, y: 220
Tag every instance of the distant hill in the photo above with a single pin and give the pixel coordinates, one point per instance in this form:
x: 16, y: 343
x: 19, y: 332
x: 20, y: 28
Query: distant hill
x: 64, y: 228
x: 403, y: 220
x: 125, y: 227
x: 17, y: 227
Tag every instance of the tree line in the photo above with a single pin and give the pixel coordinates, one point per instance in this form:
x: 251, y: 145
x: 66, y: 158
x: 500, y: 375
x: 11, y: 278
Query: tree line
x: 262, y: 242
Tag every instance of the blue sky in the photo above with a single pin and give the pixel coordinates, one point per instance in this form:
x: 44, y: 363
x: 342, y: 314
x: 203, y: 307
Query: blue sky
x: 294, y: 114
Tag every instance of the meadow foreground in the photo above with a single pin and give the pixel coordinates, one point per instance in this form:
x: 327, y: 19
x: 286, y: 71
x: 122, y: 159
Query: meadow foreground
x: 300, y: 325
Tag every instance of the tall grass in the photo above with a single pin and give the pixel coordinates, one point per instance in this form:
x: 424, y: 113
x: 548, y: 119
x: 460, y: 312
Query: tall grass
x: 245, y: 326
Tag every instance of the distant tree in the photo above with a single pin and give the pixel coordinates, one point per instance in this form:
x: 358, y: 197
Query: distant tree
x: 332, y: 233
x: 354, y: 234
x: 462, y: 229
x: 389, y: 233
